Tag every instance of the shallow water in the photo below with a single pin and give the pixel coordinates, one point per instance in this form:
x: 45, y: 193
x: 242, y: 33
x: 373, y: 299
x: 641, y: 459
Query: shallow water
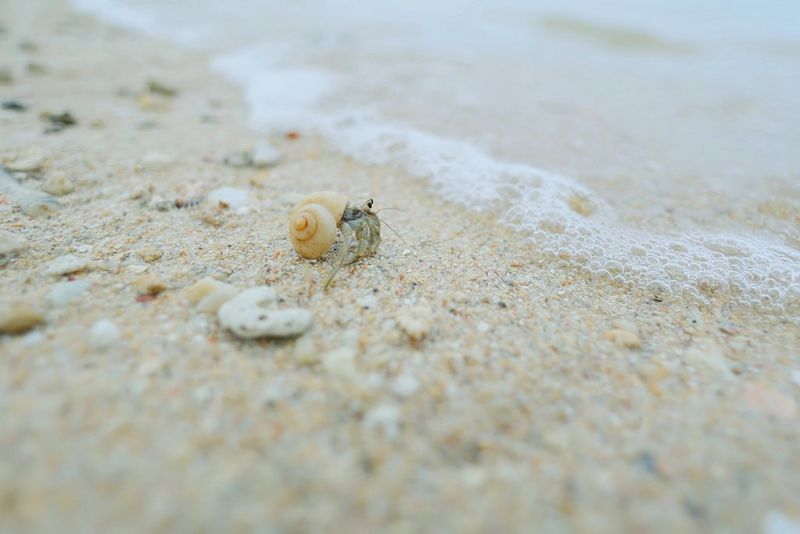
x: 651, y: 142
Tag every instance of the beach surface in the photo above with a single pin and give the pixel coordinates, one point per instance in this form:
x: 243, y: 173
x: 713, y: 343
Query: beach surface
x: 459, y: 380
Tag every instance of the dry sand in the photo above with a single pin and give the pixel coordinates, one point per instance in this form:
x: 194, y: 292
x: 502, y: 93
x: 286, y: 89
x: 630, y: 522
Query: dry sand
x: 537, y: 400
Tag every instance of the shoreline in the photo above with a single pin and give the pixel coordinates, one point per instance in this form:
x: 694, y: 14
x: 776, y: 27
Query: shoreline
x: 536, y: 396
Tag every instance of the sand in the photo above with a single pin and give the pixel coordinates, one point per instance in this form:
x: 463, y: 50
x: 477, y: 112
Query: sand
x: 531, y: 398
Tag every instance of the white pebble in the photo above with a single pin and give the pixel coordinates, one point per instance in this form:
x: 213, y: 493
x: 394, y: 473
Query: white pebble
x: 230, y: 196
x: 340, y: 362
x: 368, y: 301
x: 63, y: 293
x: 155, y: 161
x: 58, y: 184
x: 239, y: 159
x: 265, y: 155
x: 385, y: 418
x: 137, y: 268
x: 254, y: 313
x: 11, y: 244
x: 26, y: 161
x: 405, y: 385
x: 305, y: 351
x: 104, y: 334
x: 31, y: 203
x: 415, y: 321
x: 67, y: 264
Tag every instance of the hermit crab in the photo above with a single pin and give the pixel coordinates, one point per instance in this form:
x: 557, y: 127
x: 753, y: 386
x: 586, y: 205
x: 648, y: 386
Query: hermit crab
x: 316, y: 220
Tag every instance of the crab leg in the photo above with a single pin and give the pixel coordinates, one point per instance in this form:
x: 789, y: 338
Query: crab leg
x: 341, y: 258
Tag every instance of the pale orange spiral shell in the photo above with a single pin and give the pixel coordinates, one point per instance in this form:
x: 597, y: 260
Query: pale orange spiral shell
x: 313, y: 223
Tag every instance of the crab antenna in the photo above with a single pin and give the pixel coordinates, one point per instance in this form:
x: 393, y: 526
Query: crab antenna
x: 383, y: 209
x: 389, y: 226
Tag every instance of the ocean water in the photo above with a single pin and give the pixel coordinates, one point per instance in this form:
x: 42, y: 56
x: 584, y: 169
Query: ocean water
x: 656, y: 143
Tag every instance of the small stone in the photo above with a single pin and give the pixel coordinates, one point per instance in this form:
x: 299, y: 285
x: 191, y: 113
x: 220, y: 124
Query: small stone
x: 149, y: 284
x: 415, y: 321
x: 104, y: 334
x: 27, y: 45
x: 340, y: 362
x: 29, y: 160
x: 11, y: 245
x: 36, y: 68
x: 6, y: 78
x: 157, y: 88
x: 405, y: 385
x: 14, y: 105
x: 209, y: 294
x: 67, y: 264
x: 156, y: 161
x: 17, y: 317
x: 138, y: 268
x: 160, y: 203
x: 58, y: 121
x: 228, y: 197
x: 58, y: 184
x: 624, y: 338
x: 368, y: 301
x: 150, y: 102
x: 254, y: 313
x: 64, y: 293
x: 239, y: 159
x: 459, y: 297
x: 149, y: 254
x: 384, y: 418
x: 305, y: 351
x: 37, y: 204
x: 265, y: 155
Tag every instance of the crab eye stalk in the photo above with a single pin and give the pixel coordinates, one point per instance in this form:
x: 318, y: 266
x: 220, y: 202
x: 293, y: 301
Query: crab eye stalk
x: 369, y: 203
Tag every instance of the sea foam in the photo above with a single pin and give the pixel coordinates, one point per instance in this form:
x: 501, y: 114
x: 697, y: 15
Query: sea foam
x: 384, y: 83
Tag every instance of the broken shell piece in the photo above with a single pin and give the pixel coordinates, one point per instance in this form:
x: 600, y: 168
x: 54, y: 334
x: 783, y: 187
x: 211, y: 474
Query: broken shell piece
x: 254, y: 313
x: 148, y: 284
x: 32, y: 203
x: 29, y: 160
x: 17, y: 317
x: 67, y: 264
x: 209, y: 294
